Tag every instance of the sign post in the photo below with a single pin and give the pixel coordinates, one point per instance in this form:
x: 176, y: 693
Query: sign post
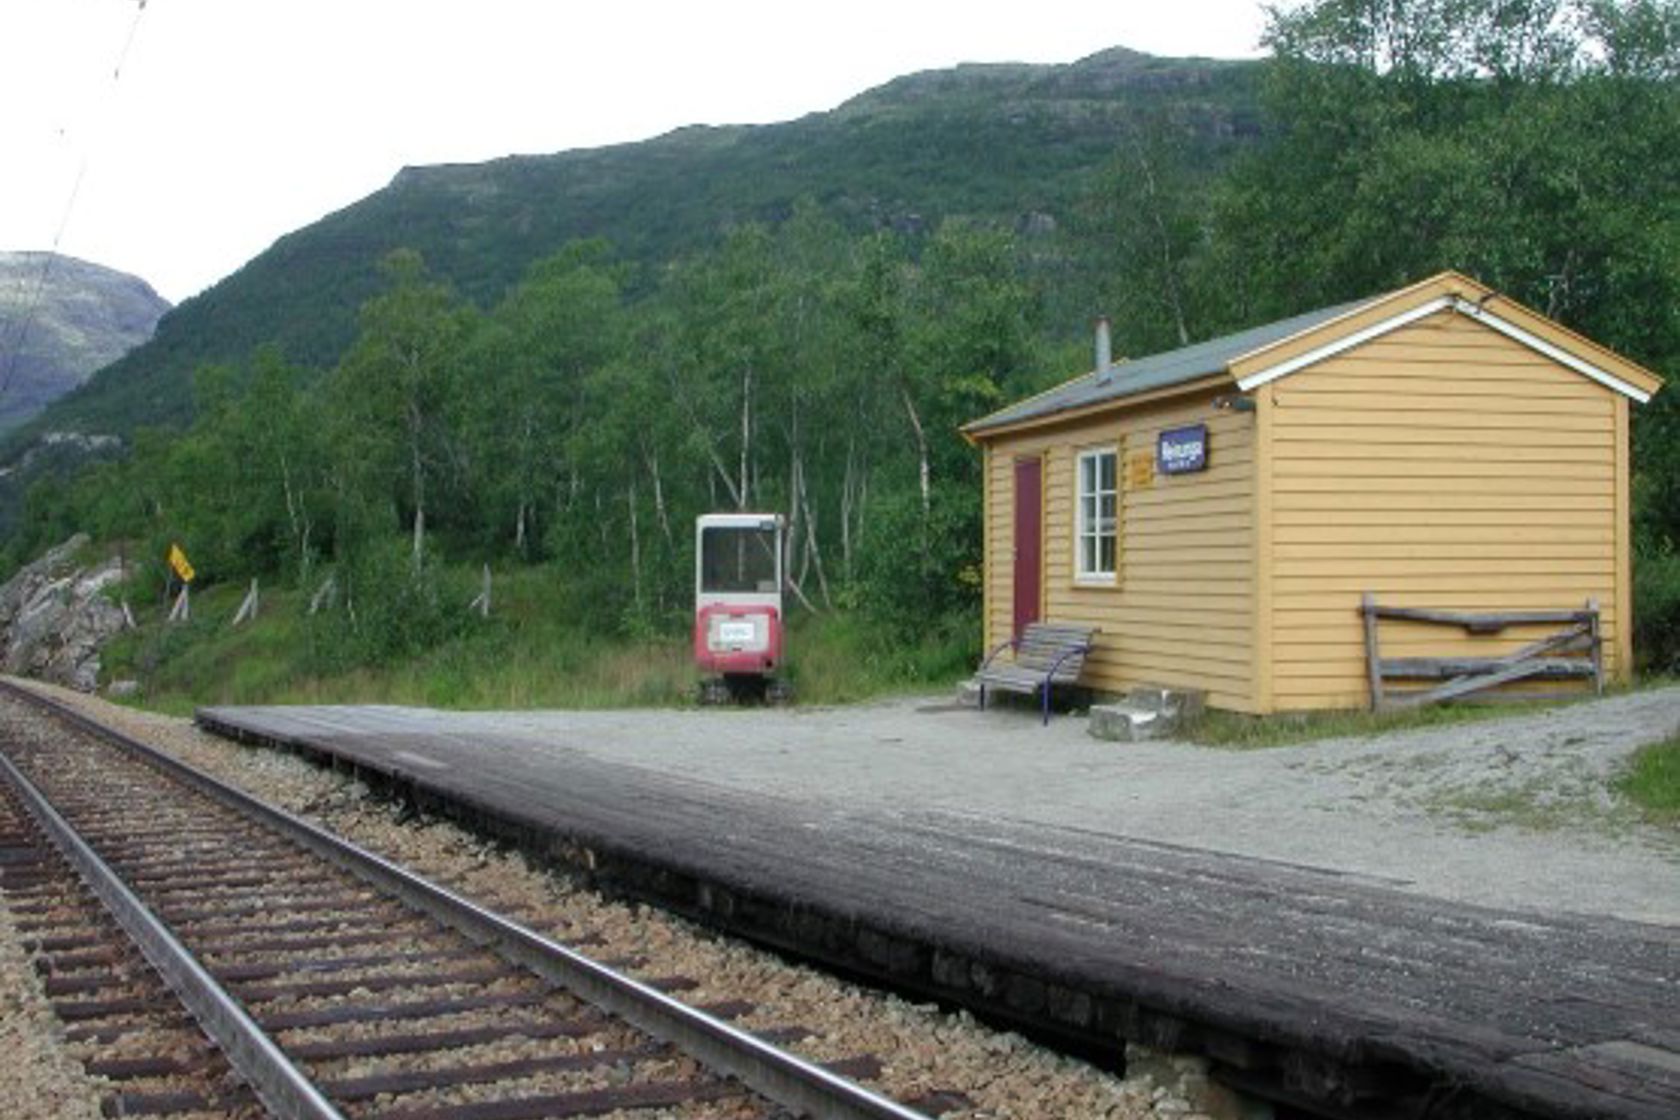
x: 182, y: 610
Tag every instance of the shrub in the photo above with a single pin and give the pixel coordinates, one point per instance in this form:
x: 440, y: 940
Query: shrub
x: 1656, y: 610
x: 386, y: 610
x: 911, y: 571
x: 1652, y: 779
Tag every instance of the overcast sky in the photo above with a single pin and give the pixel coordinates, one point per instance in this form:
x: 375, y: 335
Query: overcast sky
x: 176, y: 139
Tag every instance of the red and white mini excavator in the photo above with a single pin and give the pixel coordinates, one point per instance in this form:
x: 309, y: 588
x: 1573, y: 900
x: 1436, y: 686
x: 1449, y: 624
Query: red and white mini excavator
x: 738, y: 624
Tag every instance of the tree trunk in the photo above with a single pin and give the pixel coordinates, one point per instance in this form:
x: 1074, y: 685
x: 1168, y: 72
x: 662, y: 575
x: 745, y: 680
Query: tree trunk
x: 418, y: 476
x: 851, y: 508
x: 659, y: 509
x: 635, y: 550
x: 286, y: 486
x: 743, y: 492
x: 796, y: 474
x: 527, y: 487
x: 419, y: 537
x: 924, y: 468
x: 1169, y: 264
x: 812, y: 552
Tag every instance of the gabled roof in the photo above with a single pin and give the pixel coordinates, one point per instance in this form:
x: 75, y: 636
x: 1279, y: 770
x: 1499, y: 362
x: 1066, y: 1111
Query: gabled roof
x: 1256, y: 356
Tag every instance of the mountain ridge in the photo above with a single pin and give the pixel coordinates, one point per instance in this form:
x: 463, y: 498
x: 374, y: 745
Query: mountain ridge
x: 61, y: 320
x: 1007, y: 143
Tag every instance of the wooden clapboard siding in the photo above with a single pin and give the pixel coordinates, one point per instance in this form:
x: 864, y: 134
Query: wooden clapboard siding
x: 1181, y: 612
x: 1440, y: 465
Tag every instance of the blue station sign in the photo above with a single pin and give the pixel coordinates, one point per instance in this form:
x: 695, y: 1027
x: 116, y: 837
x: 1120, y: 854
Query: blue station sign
x: 1182, y: 450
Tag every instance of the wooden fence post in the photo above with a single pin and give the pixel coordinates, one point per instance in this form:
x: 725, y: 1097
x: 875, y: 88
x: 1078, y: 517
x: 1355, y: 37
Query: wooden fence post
x: 1373, y: 663
x: 248, y: 608
x: 182, y: 610
x: 326, y: 593
x: 1595, y: 634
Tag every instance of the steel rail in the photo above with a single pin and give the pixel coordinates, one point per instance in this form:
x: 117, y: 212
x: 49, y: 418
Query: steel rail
x: 783, y: 1077
x: 283, y: 1089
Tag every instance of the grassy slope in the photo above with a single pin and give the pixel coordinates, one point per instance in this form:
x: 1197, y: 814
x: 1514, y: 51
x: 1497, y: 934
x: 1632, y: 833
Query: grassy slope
x: 531, y: 653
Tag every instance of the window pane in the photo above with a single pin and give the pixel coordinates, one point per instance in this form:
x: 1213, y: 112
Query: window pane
x: 1097, y: 509
x: 737, y: 559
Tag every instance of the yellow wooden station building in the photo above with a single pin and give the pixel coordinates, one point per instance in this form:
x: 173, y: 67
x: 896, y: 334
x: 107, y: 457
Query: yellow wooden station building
x: 1222, y: 511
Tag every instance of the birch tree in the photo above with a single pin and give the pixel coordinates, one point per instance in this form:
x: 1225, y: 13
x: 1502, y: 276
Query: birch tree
x: 393, y: 388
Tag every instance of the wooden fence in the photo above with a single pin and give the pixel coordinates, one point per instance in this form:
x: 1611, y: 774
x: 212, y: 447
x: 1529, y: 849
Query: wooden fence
x: 1575, y: 651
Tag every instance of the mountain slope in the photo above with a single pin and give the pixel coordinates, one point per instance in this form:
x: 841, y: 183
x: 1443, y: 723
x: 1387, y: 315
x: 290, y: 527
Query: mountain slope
x: 61, y: 319
x: 1010, y: 143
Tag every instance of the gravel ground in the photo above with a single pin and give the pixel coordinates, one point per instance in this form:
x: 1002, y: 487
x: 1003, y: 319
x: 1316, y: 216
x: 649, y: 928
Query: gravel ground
x: 1517, y: 812
x: 41, y: 1080
x: 923, y: 1050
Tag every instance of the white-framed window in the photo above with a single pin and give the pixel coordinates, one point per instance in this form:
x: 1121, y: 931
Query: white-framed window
x: 1096, y: 506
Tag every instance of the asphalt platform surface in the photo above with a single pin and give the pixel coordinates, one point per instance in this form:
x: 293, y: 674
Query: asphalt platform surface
x: 1516, y: 813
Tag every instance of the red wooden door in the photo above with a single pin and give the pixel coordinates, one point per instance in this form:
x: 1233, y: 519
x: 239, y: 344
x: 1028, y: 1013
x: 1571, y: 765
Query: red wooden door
x: 1029, y: 540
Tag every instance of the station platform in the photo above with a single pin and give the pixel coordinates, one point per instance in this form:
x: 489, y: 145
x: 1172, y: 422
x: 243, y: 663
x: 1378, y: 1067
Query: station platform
x: 965, y: 857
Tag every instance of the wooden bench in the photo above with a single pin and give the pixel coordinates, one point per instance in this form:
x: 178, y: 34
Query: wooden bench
x: 1046, y: 654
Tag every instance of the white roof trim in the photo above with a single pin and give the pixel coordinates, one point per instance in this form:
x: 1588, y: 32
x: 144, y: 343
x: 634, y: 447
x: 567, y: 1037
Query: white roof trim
x: 1346, y: 342
x: 1463, y: 307
x: 1511, y: 330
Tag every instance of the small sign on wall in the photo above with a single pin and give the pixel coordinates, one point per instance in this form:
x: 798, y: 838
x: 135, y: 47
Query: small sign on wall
x: 1182, y: 450
x: 1140, y: 470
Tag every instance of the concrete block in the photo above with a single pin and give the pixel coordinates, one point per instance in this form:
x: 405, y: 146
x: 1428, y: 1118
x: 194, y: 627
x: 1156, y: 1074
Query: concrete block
x: 1119, y: 723
x: 1178, y: 704
x: 968, y: 694
x: 1146, y: 713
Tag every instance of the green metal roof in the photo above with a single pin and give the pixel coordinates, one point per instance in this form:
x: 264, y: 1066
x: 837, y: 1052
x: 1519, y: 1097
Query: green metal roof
x: 1157, y: 371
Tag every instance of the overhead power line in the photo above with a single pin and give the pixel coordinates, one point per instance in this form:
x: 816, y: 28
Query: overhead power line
x: 11, y: 351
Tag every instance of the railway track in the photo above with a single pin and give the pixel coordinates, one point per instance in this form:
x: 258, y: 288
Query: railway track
x: 240, y: 961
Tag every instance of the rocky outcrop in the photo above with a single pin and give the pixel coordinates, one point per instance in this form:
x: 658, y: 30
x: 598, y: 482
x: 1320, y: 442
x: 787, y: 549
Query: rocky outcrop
x: 54, y: 617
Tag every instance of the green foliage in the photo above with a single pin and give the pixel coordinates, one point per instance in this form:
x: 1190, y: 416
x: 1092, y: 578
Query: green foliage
x: 850, y: 656
x: 797, y: 319
x: 535, y: 650
x: 387, y: 610
x: 796, y: 370
x: 915, y: 569
x: 1652, y: 780
x: 1656, y: 610
x: 1530, y: 145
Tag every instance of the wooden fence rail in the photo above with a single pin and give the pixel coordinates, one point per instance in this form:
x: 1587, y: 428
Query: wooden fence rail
x: 1574, y: 652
